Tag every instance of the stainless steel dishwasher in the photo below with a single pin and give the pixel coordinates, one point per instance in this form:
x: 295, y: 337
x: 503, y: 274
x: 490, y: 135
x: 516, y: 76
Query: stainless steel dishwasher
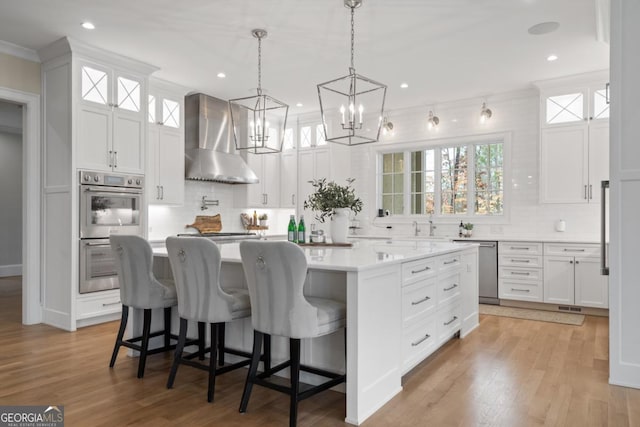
x: 487, y: 271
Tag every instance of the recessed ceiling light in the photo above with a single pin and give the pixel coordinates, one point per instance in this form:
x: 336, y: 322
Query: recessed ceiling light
x: 552, y: 58
x: 454, y: 120
x: 299, y: 104
x: 88, y: 25
x: 221, y: 75
x: 404, y: 85
x: 543, y: 28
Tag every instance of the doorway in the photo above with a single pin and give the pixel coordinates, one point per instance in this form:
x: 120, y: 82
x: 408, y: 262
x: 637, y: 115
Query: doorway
x: 30, y: 202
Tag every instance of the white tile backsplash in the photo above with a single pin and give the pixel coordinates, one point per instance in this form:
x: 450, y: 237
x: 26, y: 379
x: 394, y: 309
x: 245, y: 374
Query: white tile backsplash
x: 170, y: 220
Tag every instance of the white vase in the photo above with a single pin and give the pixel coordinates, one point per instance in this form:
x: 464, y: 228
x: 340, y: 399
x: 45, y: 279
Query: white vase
x: 340, y: 225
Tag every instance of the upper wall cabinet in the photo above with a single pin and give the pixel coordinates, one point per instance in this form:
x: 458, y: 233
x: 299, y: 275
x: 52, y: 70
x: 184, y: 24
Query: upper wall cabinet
x: 574, y: 142
x: 165, y: 170
x: 288, y: 170
x: 111, y: 112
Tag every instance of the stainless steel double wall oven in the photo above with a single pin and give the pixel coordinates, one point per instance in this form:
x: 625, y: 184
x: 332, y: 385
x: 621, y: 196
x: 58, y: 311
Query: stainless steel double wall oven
x: 109, y: 204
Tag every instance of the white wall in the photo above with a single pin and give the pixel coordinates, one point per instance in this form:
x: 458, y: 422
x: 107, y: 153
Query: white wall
x: 11, y: 196
x: 170, y: 220
x: 515, y: 114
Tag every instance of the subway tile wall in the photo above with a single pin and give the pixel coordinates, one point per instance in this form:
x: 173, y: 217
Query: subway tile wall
x: 515, y: 114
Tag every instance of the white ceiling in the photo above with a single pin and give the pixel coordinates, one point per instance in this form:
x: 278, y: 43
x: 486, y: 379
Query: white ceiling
x: 444, y: 49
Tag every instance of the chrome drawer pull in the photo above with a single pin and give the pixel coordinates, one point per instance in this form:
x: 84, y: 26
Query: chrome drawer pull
x: 573, y: 250
x: 451, y: 321
x: 420, y: 301
x: 420, y: 271
x: 521, y: 260
x: 520, y: 248
x: 450, y: 262
x: 110, y: 303
x: 521, y: 290
x: 420, y: 341
x: 455, y: 285
x: 520, y: 273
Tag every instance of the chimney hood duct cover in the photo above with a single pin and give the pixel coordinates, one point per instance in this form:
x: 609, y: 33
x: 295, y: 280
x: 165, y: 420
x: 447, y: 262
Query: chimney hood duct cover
x: 209, y: 148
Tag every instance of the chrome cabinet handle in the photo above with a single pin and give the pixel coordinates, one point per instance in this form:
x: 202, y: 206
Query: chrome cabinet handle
x: 455, y: 285
x: 420, y: 271
x: 585, y: 192
x: 451, y: 321
x: 110, y: 303
x: 571, y: 262
x: 590, y: 191
x: 521, y: 260
x: 110, y: 158
x: 420, y: 341
x: 577, y: 262
x: 97, y: 245
x: 450, y: 262
x: 521, y: 290
x: 162, y: 192
x: 518, y: 273
x: 604, y: 185
x: 115, y: 156
x: 573, y: 250
x: 606, y: 88
x: 487, y: 246
x: 157, y: 192
x: 420, y: 301
x: 520, y: 248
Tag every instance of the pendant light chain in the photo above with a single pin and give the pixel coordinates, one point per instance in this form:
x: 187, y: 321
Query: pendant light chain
x: 353, y: 36
x: 259, y: 65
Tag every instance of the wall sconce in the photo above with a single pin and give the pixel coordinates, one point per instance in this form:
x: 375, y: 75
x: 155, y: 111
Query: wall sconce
x: 485, y: 113
x: 432, y: 121
x: 387, y: 127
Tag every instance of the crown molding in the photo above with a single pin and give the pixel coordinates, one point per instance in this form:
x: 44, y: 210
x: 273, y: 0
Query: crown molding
x: 19, y: 51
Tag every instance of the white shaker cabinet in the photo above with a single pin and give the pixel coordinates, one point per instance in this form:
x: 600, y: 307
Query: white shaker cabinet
x: 111, y: 125
x: 265, y: 193
x: 288, y: 179
x: 572, y: 276
x: 165, y: 170
x: 313, y: 164
x: 574, y: 140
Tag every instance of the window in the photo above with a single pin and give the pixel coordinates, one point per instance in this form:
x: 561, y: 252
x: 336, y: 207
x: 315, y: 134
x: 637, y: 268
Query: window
x: 320, y: 135
x: 453, y: 180
x: 152, y: 109
x: 600, y: 105
x: 288, y: 143
x: 128, y: 94
x: 393, y: 182
x: 305, y: 136
x: 95, y: 86
x: 170, y: 113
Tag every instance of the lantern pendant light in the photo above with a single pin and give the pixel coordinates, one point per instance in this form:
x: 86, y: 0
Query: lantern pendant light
x: 352, y: 106
x: 266, y: 116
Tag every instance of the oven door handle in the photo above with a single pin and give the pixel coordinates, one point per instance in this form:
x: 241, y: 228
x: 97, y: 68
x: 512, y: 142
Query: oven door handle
x: 93, y: 245
x: 110, y: 191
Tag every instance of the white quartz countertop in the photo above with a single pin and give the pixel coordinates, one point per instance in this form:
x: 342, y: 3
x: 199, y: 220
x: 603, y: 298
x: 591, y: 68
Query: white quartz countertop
x: 547, y: 239
x: 364, y: 255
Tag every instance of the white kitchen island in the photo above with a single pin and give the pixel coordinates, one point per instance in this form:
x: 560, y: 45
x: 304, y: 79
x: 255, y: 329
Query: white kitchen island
x: 404, y: 300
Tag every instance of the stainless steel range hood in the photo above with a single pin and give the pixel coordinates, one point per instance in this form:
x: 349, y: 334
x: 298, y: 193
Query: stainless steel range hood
x: 209, y: 148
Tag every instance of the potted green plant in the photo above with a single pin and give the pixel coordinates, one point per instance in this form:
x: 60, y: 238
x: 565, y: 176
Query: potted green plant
x: 468, y: 229
x: 263, y: 219
x: 333, y: 201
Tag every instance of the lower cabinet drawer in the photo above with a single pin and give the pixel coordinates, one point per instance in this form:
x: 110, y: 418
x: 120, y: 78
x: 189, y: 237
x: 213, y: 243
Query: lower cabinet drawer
x: 449, y: 320
x: 520, y: 273
x: 418, y: 299
x: 520, y: 261
x: 520, y: 290
x: 418, y: 341
x: 448, y: 289
x: 93, y: 306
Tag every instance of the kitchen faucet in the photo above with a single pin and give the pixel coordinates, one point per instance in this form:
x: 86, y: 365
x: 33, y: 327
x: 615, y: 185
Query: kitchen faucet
x: 431, y: 226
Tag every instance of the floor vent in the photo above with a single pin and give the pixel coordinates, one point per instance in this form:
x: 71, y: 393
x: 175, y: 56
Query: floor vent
x: 578, y: 309
x: 562, y: 307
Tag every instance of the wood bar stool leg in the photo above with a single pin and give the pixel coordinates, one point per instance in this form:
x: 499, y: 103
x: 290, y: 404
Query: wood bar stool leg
x: 253, y: 368
x: 212, y: 361
x: 123, y: 327
x: 177, y: 358
x: 167, y: 327
x: 221, y: 334
x: 294, y: 354
x: 146, y: 331
x: 201, y: 343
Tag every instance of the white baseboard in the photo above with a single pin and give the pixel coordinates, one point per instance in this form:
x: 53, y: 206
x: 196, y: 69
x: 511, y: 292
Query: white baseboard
x: 10, y: 270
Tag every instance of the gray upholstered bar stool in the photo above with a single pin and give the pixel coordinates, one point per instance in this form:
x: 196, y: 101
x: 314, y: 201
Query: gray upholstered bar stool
x: 140, y: 289
x: 196, y: 264
x: 275, y: 273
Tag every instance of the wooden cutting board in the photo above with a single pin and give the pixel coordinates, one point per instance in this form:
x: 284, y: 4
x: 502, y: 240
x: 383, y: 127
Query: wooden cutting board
x: 207, y: 223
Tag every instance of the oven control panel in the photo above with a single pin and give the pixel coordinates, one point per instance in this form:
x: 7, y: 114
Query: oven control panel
x: 111, y: 179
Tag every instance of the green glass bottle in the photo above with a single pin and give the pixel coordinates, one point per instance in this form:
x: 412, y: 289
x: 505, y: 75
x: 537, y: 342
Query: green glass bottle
x: 301, y: 231
x: 292, y: 231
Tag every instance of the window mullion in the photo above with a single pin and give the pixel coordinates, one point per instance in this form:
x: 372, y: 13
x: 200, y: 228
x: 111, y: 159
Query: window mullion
x: 437, y: 160
x: 406, y: 188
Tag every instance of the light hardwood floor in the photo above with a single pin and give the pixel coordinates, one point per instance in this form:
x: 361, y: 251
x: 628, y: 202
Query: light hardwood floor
x: 509, y: 372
